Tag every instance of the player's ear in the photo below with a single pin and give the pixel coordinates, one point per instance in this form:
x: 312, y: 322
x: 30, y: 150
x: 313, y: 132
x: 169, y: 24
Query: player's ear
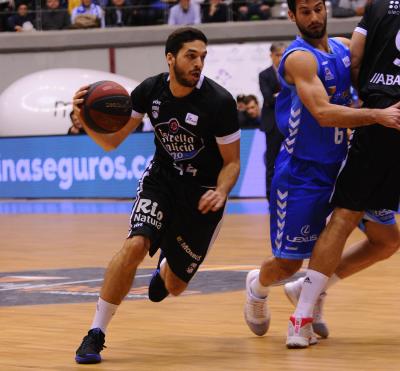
x: 291, y: 16
x: 170, y: 58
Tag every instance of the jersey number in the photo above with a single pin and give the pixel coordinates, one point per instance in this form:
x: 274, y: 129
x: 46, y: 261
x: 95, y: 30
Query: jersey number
x: 339, y: 136
x: 397, y: 60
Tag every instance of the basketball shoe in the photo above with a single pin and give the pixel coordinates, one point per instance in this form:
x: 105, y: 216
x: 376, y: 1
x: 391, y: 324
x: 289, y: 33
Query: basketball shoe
x: 256, y: 312
x: 92, y: 345
x: 157, y: 290
x: 293, y: 290
x: 300, y: 333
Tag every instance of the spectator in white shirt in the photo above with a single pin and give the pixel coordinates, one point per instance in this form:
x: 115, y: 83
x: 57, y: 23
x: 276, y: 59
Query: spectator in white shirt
x: 184, y: 13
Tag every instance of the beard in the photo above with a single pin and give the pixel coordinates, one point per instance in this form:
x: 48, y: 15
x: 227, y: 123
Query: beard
x: 313, y: 34
x: 182, y: 80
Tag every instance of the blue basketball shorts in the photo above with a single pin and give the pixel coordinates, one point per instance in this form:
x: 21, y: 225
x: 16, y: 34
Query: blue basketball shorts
x: 299, y: 206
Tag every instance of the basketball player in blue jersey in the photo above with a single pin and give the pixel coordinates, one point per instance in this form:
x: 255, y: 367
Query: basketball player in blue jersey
x: 370, y: 177
x: 313, y: 114
x: 182, y: 194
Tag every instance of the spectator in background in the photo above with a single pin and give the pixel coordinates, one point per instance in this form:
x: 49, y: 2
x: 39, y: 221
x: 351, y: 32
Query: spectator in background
x: 72, y: 4
x: 184, y: 13
x: 253, y: 114
x: 348, y: 8
x: 22, y: 21
x: 118, y: 15
x: 87, y: 15
x: 5, y: 9
x: 241, y: 109
x: 270, y: 88
x: 54, y: 17
x: 214, y: 11
x: 148, y: 12
x: 255, y: 10
x: 76, y: 127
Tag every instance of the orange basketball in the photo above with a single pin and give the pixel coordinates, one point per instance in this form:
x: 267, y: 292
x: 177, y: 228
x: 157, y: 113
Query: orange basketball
x: 107, y: 107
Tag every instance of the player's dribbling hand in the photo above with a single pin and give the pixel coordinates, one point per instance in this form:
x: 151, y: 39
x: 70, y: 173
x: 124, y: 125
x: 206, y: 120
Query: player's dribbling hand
x: 78, y: 99
x: 212, y: 200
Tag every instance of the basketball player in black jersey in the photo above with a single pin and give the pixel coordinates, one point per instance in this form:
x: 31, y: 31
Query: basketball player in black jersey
x: 370, y: 178
x: 181, y: 195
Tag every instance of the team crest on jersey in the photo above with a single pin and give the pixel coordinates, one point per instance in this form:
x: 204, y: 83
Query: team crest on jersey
x: 191, y: 119
x: 180, y: 143
x: 346, y: 61
x: 328, y: 74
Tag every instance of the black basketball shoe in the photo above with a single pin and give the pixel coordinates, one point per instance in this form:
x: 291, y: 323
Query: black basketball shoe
x: 92, y: 345
x: 157, y: 289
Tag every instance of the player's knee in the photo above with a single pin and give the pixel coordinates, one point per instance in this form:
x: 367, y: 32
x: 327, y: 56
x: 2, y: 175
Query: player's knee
x: 175, y: 286
x: 345, y: 220
x: 134, y: 251
x: 388, y: 248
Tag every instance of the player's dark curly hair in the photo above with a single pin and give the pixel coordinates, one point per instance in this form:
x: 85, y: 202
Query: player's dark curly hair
x: 292, y: 5
x: 183, y: 35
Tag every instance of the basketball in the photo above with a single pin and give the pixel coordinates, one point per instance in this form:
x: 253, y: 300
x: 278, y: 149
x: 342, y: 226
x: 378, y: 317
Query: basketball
x: 107, y: 107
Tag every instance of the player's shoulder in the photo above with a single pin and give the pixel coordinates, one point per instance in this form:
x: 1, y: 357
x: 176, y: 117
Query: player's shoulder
x: 219, y: 93
x: 154, y: 81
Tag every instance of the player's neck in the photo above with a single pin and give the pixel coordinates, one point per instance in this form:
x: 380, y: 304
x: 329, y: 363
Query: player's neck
x: 320, y: 44
x: 179, y: 90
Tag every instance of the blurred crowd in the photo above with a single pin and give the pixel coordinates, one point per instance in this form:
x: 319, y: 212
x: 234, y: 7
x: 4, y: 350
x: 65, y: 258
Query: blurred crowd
x: 30, y: 15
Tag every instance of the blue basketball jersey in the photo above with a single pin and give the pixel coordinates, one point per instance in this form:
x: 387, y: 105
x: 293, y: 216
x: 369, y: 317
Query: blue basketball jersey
x: 304, y: 137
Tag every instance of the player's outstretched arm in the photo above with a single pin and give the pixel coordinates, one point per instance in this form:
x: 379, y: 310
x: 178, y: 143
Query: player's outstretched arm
x: 215, y: 199
x: 106, y: 141
x: 301, y: 70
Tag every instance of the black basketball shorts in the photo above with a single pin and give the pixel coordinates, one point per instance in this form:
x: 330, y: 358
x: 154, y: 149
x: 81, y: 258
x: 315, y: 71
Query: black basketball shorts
x: 166, y: 211
x: 370, y: 177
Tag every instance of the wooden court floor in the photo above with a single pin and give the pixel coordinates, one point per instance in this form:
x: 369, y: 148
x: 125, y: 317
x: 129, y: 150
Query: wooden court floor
x: 193, y: 332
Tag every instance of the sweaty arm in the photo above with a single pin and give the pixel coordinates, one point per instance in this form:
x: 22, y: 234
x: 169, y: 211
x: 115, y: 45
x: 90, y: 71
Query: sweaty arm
x: 302, y: 71
x: 106, y: 141
x: 215, y: 199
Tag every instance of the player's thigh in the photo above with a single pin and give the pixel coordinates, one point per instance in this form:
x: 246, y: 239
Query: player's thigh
x: 190, y: 234
x: 299, y: 208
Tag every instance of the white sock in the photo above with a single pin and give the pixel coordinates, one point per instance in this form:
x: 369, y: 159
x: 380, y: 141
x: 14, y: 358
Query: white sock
x: 258, y: 289
x: 103, y: 315
x: 333, y: 280
x: 314, y: 283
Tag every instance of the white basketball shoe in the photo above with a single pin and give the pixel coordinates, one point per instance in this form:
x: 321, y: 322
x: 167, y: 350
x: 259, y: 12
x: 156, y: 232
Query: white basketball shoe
x: 300, y: 333
x: 256, y: 312
x: 293, y: 290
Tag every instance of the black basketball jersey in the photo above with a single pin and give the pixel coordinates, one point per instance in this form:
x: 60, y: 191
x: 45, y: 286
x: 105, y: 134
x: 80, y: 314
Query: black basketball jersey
x: 380, y: 68
x: 188, y: 130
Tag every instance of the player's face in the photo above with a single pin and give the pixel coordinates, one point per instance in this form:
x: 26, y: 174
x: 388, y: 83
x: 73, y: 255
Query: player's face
x: 189, y: 62
x: 310, y: 18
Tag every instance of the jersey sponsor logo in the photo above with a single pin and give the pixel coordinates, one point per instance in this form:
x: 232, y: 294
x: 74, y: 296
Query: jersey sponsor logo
x: 328, y: 74
x: 180, y: 143
x: 305, y: 235
x: 191, y: 119
x: 346, y: 61
x: 394, y: 7
x: 146, y: 212
x: 385, y: 79
x: 185, y: 247
x: 155, y: 108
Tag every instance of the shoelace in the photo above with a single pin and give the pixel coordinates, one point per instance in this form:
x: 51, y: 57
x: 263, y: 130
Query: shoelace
x: 92, y: 341
x: 258, y: 308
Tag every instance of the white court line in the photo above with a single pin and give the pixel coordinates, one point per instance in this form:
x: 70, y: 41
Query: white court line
x: 61, y: 283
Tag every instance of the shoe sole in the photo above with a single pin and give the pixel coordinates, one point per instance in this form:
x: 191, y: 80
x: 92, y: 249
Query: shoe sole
x: 88, y: 359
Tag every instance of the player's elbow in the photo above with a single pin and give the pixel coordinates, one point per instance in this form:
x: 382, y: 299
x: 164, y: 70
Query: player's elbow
x: 323, y: 117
